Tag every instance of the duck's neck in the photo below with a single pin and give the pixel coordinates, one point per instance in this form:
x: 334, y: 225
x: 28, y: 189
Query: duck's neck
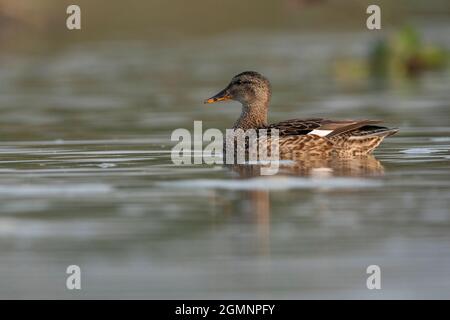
x: 253, y: 116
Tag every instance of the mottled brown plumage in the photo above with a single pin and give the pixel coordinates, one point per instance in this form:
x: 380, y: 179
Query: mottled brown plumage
x: 299, y: 137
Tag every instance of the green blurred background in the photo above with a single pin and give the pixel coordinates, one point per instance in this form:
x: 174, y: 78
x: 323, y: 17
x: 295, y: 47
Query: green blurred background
x: 42, y: 23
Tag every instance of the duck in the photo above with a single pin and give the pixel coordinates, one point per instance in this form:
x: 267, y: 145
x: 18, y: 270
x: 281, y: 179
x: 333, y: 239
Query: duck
x: 299, y: 137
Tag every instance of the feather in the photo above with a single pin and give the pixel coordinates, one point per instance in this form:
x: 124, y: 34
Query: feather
x: 321, y: 133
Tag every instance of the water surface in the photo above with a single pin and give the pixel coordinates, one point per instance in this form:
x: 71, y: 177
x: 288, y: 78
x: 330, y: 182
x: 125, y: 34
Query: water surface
x: 86, y: 177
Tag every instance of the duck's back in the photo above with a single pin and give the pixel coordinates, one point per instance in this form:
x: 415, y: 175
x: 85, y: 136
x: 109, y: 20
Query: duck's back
x: 323, y: 136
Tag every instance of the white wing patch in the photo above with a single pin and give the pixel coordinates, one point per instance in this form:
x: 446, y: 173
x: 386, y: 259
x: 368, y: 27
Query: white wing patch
x: 321, y: 133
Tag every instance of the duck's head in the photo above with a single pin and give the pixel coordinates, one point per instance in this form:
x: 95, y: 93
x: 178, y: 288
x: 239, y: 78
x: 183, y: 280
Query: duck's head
x: 249, y: 88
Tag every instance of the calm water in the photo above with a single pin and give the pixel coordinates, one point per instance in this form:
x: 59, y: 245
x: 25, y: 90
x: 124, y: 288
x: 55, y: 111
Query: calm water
x: 86, y: 177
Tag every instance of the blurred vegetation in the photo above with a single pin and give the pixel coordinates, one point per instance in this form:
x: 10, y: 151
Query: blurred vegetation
x: 403, y: 54
x: 27, y: 22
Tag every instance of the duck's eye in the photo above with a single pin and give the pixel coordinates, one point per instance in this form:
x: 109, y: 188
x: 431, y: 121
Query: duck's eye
x: 239, y: 82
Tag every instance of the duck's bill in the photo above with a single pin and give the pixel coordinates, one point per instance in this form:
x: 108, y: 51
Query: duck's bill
x: 221, y: 96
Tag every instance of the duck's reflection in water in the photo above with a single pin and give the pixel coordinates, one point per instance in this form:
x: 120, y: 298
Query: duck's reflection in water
x: 366, y: 166
x: 259, y: 207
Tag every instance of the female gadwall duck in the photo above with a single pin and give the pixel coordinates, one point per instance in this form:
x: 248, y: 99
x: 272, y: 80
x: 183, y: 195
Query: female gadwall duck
x: 300, y: 136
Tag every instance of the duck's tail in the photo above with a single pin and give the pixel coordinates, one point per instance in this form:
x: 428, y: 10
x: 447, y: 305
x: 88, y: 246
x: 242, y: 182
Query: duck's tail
x: 374, y: 131
x: 362, y: 140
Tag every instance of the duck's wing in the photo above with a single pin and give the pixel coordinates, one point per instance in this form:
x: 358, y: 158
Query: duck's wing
x: 321, y: 127
x: 295, y: 127
x: 321, y: 136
